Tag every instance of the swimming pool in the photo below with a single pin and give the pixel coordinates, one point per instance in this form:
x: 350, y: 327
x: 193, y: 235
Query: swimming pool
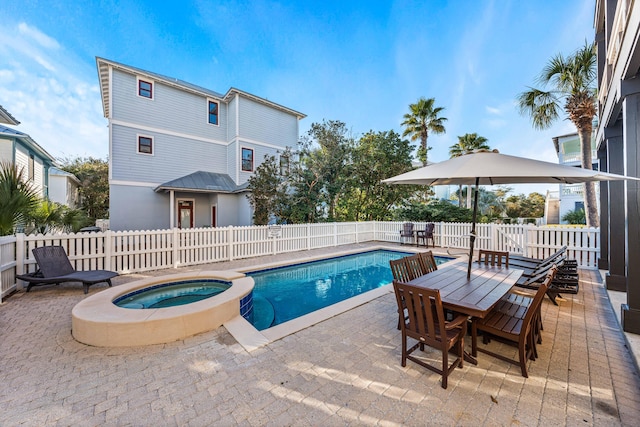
x: 285, y: 293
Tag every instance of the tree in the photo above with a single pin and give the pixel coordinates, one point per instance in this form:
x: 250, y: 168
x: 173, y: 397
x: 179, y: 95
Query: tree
x: 269, y: 189
x: 436, y: 211
x: 466, y: 144
x: 422, y: 119
x: 572, y: 87
x: 575, y: 217
x: 376, y: 156
x: 50, y: 216
x: 94, y: 179
x: 327, y: 167
x: 17, y: 198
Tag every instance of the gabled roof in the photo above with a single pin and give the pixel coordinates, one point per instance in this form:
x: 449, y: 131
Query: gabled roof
x: 7, y: 118
x: 103, y: 75
x: 60, y: 172
x: 26, y: 140
x: 203, y: 182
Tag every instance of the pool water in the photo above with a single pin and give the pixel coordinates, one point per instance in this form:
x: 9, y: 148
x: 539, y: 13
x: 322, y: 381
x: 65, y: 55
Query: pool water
x: 172, y: 294
x: 285, y: 293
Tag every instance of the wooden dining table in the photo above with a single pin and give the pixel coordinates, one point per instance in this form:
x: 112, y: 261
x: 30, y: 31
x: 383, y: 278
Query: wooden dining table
x: 475, y: 296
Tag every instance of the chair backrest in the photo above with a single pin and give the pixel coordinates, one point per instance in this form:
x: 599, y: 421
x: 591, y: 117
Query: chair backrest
x: 414, y: 265
x: 53, y: 261
x: 493, y: 258
x: 427, y: 262
x: 429, y: 229
x: 407, y: 229
x: 537, y: 301
x: 400, y: 270
x: 425, y: 320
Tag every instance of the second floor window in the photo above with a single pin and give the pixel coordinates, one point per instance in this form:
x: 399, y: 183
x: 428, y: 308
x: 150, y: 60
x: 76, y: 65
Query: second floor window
x: 213, y: 112
x: 247, y: 160
x: 145, y: 145
x: 145, y: 89
x: 32, y: 168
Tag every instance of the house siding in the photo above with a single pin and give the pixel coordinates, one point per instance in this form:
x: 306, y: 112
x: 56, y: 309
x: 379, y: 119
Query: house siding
x: 259, y: 151
x: 137, y: 208
x: 261, y: 123
x: 6, y: 150
x: 172, y: 157
x: 170, y: 109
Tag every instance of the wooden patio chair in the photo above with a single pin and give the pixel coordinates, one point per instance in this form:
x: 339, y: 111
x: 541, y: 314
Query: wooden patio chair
x: 414, y: 264
x: 426, y: 235
x: 493, y: 258
x: 400, y: 270
x: 55, y: 268
x: 427, y: 262
x: 406, y: 232
x: 512, y: 329
x: 425, y: 323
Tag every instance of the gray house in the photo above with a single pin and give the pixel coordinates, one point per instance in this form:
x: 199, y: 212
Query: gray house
x: 20, y: 149
x: 180, y: 155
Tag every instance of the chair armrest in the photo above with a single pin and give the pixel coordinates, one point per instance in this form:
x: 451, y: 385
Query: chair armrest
x: 458, y: 321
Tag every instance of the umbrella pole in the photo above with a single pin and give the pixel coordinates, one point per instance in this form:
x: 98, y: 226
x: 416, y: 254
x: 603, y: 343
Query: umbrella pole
x: 473, y: 228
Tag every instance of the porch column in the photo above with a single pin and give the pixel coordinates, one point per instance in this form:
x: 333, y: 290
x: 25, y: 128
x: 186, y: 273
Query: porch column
x: 616, y: 279
x: 631, y: 135
x: 603, y: 260
x: 172, y: 202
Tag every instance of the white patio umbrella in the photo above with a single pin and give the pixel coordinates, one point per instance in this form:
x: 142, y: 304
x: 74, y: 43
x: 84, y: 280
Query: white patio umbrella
x: 484, y: 167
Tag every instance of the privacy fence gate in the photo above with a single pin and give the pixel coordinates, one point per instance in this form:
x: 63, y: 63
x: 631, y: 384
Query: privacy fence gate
x: 137, y: 251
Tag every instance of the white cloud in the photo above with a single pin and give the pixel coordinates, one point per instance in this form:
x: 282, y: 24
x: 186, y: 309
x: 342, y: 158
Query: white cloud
x: 54, y: 96
x: 35, y: 34
x: 493, y: 110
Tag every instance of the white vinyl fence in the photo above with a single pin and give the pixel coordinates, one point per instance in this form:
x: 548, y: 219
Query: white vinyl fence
x: 137, y: 251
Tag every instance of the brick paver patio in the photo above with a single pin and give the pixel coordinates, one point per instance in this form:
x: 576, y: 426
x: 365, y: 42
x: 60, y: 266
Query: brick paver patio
x: 343, y: 371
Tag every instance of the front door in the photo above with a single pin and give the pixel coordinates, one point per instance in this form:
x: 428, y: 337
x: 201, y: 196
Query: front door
x: 185, y: 214
x: 213, y: 216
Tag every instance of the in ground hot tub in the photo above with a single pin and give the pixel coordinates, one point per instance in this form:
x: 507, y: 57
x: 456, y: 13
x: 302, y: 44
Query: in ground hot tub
x: 98, y: 321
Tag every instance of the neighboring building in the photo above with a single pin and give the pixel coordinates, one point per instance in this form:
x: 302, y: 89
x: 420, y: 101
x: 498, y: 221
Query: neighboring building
x: 617, y: 25
x: 180, y: 155
x: 571, y: 196
x: 19, y: 149
x: 64, y: 188
x: 551, y: 208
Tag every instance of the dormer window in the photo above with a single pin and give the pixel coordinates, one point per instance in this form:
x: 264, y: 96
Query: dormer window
x: 145, y: 89
x: 214, y: 108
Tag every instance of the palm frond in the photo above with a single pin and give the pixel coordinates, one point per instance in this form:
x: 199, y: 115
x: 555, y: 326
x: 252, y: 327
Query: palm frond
x: 541, y: 106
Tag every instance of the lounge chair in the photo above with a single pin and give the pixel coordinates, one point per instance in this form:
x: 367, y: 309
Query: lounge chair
x: 513, y: 329
x: 426, y: 235
x: 425, y: 323
x: 406, y: 232
x: 526, y: 262
x: 55, y: 267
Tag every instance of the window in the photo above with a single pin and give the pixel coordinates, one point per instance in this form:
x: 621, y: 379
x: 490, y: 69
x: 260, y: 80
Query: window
x: 32, y: 168
x: 145, y: 145
x: 213, y: 112
x: 145, y: 89
x: 284, y: 165
x: 247, y: 160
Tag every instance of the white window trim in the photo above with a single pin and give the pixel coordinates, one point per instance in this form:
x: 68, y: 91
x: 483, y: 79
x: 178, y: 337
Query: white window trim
x: 253, y: 159
x: 153, y: 145
x: 153, y: 88
x: 217, y: 102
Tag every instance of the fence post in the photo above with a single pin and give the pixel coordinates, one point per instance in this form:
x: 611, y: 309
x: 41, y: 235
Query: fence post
x: 308, y: 236
x: 357, y: 241
x: 230, y: 242
x: 107, y: 249
x: 494, y: 237
x: 176, y: 248
x: 335, y: 234
x: 20, y: 257
x: 525, y: 241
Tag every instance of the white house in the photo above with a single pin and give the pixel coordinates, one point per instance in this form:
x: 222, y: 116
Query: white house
x: 19, y: 149
x: 571, y: 196
x: 180, y: 155
x: 64, y: 188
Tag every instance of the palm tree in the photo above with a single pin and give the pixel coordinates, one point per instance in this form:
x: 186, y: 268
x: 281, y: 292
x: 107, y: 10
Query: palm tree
x: 466, y: 144
x: 572, y: 87
x: 17, y: 198
x: 422, y: 119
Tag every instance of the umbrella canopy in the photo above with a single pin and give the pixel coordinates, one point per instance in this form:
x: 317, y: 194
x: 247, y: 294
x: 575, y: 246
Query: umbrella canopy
x: 485, y: 167
x: 493, y: 168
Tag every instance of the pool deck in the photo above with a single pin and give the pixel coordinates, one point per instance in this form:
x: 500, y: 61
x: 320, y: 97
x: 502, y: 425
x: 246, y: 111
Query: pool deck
x: 342, y: 371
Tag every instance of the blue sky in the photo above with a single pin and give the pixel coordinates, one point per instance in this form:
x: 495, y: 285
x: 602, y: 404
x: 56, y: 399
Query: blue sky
x: 361, y: 62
